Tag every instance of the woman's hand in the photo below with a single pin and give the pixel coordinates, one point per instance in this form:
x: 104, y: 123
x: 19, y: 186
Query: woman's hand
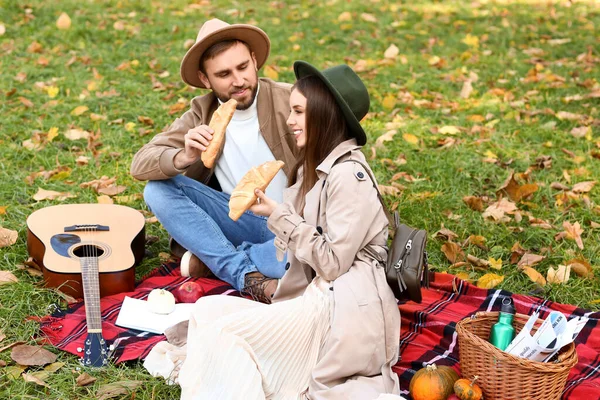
x: 264, y: 206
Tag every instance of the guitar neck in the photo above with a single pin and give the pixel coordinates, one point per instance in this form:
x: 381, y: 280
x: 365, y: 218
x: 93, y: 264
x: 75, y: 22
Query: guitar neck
x: 91, y: 293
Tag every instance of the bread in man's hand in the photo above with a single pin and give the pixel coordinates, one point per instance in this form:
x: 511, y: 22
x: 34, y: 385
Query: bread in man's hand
x: 219, y: 121
x: 243, y: 195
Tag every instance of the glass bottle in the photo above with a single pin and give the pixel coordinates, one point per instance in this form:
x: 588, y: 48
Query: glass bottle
x: 503, y: 332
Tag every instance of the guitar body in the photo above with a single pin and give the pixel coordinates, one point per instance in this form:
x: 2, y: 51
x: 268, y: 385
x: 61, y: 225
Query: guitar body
x: 58, y: 237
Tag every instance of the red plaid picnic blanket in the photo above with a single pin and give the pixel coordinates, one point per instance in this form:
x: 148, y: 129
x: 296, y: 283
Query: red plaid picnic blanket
x: 427, y: 333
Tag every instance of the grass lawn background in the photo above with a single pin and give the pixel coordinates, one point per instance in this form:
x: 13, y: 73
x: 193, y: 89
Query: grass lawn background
x: 463, y: 95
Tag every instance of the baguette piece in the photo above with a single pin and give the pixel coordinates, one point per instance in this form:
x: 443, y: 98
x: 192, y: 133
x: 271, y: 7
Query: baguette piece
x: 219, y: 121
x: 243, y: 195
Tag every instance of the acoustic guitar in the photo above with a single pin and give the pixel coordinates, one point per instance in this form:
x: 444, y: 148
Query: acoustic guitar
x: 58, y: 237
x: 88, y: 249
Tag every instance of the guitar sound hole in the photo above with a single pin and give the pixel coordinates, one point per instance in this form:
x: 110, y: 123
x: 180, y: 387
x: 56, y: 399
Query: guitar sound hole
x: 88, y: 250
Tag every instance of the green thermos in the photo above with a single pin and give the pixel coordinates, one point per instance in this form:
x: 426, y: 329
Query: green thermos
x: 503, y: 331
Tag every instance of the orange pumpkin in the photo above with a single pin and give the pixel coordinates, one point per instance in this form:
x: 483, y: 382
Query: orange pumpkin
x: 467, y: 390
x: 432, y: 383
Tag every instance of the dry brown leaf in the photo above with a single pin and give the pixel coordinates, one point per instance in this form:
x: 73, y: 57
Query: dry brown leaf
x: 32, y: 355
x: 478, y: 262
x: 104, y: 199
x: 489, y: 281
x: 3, y: 210
x: 581, y: 267
x: 76, y: 134
x: 467, y: 89
x: 151, y: 220
x: 571, y: 232
x: 112, y: 190
x: 476, y: 240
x: 7, y: 277
x: 559, y: 275
x: 115, y: 389
x: 85, y: 379
x: 564, y: 115
x: 389, y: 190
x: 516, y: 252
x: 2, y: 335
x: 386, y: 137
x: 453, y: 252
x: 559, y: 186
x: 497, y: 210
x: 345, y: 16
x: 32, y: 378
x: 529, y: 260
x: 63, y: 22
x: 527, y: 190
x: 535, y: 276
x: 43, y: 194
x: 581, y: 131
x: 445, y: 234
x: 391, y: 52
x: 368, y: 17
x: 539, y: 223
x: 515, y: 191
x: 8, y: 237
x: 583, y: 187
x: 474, y: 202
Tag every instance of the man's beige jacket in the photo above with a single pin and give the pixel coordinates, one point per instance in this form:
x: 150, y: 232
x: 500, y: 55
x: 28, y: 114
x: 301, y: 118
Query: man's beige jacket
x: 154, y: 161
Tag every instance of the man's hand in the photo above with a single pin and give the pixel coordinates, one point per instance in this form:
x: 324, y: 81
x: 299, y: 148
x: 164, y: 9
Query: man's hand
x: 264, y: 205
x: 196, y: 141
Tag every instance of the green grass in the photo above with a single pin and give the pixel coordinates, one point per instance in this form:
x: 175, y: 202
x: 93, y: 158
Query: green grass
x: 520, y: 118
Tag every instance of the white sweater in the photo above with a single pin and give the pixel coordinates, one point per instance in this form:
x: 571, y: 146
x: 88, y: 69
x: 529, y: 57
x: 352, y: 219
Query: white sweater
x: 245, y: 148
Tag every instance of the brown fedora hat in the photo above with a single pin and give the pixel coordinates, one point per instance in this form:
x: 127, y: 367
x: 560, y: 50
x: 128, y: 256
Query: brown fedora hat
x: 214, y: 31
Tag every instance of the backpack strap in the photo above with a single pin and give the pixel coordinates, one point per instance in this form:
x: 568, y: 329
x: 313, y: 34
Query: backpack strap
x: 395, y: 220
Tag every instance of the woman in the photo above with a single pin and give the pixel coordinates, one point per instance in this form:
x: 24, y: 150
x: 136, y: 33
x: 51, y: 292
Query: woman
x: 332, y: 331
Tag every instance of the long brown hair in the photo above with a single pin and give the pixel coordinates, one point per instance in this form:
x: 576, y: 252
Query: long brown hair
x: 325, y: 128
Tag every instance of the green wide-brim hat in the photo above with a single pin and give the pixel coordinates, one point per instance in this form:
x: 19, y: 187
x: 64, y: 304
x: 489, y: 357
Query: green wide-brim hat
x: 349, y: 92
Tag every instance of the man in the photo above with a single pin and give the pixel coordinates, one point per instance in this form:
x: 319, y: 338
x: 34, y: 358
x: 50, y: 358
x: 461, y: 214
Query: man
x: 190, y: 200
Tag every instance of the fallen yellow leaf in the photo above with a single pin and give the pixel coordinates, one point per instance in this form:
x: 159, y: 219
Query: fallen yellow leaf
x: 389, y: 101
x: 410, y: 138
x: 495, y: 263
x: 449, y: 130
x: 489, y: 281
x: 471, y: 41
x: 534, y: 275
x: 79, y: 110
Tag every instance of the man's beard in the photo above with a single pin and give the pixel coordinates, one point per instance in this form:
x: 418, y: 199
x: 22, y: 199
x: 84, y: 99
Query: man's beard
x: 241, y: 106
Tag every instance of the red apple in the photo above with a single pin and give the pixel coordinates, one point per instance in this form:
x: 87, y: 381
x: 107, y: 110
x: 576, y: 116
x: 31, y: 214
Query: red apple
x: 453, y: 397
x: 189, y: 292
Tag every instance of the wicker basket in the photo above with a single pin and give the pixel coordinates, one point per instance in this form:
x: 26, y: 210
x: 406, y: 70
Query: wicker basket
x: 503, y: 376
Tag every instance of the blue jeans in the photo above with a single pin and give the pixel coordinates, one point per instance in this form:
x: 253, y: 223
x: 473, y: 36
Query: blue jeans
x: 196, y: 216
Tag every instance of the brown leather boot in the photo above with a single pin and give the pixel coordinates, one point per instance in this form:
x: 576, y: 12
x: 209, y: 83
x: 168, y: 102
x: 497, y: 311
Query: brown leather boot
x: 259, y: 287
x: 194, y: 267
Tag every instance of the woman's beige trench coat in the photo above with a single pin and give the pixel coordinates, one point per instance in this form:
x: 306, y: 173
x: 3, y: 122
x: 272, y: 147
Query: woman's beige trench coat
x: 343, y: 214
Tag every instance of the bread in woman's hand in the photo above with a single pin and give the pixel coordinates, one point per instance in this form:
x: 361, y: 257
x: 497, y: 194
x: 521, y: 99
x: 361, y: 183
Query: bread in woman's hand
x: 243, y: 195
x: 219, y: 121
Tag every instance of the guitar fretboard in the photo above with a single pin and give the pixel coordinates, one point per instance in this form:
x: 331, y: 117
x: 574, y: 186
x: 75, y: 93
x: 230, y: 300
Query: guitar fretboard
x: 91, y: 293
